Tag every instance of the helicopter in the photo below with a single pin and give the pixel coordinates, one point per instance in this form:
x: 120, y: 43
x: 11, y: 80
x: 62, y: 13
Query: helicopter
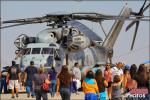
x: 68, y: 41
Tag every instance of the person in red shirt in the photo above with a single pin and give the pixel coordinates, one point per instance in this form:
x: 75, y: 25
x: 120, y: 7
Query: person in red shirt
x: 108, y: 78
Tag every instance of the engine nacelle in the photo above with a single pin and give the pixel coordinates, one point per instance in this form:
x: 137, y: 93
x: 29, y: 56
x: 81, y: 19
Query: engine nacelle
x: 48, y: 35
x: 77, y: 41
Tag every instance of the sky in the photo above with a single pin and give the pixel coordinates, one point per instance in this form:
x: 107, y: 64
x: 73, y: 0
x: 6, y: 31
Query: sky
x: 28, y: 9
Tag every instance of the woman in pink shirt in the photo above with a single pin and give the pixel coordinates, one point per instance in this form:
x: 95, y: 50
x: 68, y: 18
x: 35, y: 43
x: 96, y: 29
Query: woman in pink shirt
x: 108, y: 78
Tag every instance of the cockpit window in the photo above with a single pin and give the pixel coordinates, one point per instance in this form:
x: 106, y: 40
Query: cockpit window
x: 36, y: 50
x: 47, y: 51
x: 26, y: 51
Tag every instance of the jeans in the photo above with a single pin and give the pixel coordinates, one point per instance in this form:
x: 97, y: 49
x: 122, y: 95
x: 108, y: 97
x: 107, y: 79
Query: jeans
x: 41, y: 94
x: 29, y: 87
x: 52, y: 87
x: 74, y: 86
x: 3, y: 84
x: 65, y: 93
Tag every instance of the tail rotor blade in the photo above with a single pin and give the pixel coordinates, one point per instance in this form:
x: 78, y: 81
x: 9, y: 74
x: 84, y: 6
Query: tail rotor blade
x: 141, y: 10
x: 130, y: 25
x: 135, y: 33
x: 146, y: 7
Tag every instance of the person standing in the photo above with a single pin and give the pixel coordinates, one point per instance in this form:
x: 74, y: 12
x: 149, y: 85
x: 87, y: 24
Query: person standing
x: 131, y: 83
x: 64, y: 83
x: 52, y: 77
x: 14, y: 78
x: 1, y: 82
x: 76, y: 77
x: 102, y: 84
x: 117, y: 70
x: 133, y: 71
x: 108, y: 77
x: 38, y: 79
x: 29, y: 73
x: 3, y: 76
x: 90, y: 87
x: 142, y: 77
x: 116, y: 88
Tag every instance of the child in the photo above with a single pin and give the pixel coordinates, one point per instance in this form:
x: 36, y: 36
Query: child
x: 116, y: 88
x: 90, y: 87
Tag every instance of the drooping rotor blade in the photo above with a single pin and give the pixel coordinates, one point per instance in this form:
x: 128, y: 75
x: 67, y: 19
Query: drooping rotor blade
x: 19, y: 22
x: 12, y: 25
x: 62, y: 19
x: 135, y: 33
x: 28, y: 20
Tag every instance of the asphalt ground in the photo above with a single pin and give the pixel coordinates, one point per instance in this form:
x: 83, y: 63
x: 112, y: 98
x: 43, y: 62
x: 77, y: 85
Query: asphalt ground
x: 23, y: 96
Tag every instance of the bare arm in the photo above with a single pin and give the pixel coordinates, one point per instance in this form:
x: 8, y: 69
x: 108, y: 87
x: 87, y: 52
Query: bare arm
x: 25, y: 77
x: 105, y: 83
x: 7, y: 78
x: 19, y: 74
x: 83, y: 86
x: 57, y: 84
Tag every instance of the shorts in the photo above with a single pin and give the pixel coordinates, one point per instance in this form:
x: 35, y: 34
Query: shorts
x: 13, y: 84
x: 109, y: 84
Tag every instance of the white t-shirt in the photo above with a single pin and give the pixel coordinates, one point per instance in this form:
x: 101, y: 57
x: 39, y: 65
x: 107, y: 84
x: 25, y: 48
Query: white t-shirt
x: 116, y: 71
x: 76, y: 72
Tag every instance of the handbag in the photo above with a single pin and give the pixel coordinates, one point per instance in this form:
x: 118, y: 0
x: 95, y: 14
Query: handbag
x: 45, y: 85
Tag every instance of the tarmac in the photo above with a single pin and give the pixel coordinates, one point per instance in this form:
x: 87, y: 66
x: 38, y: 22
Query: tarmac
x: 23, y: 96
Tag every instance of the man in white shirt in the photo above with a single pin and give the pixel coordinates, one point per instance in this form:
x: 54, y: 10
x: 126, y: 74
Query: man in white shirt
x: 117, y: 70
x: 76, y: 77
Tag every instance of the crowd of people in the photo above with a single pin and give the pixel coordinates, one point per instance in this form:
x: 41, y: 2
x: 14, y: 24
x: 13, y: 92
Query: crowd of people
x: 112, y: 83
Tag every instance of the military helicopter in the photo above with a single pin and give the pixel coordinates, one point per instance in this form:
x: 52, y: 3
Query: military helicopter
x: 67, y: 41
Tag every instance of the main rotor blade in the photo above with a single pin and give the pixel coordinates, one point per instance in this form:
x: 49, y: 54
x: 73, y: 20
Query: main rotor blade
x: 28, y: 20
x: 13, y: 25
x: 108, y: 17
x: 146, y: 7
x: 135, y: 33
x: 130, y: 25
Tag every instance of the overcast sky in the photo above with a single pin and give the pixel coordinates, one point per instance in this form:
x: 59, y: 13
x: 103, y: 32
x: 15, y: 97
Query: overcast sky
x: 27, y: 9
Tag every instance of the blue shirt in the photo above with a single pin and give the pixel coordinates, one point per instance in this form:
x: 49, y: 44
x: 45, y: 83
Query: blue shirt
x: 30, y: 70
x: 52, y: 74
